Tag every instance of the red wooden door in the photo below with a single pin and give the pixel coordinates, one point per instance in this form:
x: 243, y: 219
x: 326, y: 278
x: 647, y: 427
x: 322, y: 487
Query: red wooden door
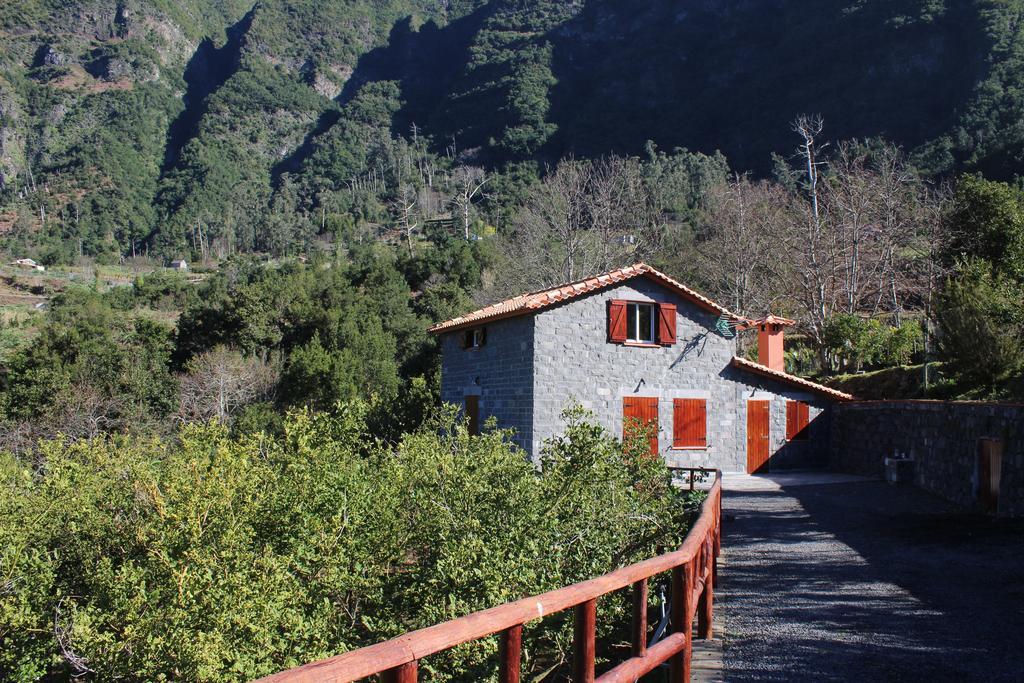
x: 642, y: 410
x: 473, y: 413
x: 757, y: 436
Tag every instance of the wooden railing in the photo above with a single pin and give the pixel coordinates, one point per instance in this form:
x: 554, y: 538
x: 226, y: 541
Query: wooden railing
x: 694, y: 570
x: 696, y: 474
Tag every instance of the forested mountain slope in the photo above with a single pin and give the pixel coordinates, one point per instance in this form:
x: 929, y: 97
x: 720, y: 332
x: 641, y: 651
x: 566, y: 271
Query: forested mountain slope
x: 157, y: 125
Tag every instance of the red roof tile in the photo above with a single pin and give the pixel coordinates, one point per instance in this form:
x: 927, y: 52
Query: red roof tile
x: 534, y: 301
x: 766, y: 371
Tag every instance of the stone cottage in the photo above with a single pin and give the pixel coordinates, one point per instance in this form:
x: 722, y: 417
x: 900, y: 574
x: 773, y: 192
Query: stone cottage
x: 636, y: 346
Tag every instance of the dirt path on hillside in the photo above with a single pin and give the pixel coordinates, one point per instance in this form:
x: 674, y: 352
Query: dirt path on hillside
x: 867, y: 582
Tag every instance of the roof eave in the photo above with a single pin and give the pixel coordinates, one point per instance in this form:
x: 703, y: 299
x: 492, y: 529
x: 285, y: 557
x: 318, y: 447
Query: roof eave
x: 768, y: 373
x: 641, y: 270
x: 467, y: 324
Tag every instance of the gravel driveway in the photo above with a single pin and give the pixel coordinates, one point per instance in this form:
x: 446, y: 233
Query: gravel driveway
x: 863, y: 581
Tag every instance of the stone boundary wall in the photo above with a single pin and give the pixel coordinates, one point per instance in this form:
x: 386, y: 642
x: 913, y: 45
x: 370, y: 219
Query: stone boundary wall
x: 941, y: 436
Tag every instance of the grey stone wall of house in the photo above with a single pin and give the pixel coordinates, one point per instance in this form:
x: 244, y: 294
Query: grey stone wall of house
x: 500, y: 373
x: 941, y: 437
x: 574, y: 361
x: 809, y: 453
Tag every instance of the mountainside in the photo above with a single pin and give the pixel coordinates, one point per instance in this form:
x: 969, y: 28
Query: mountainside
x: 139, y: 125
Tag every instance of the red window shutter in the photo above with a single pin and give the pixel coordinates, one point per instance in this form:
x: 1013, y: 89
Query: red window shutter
x: 798, y: 417
x: 666, y: 324
x: 689, y: 423
x: 700, y: 422
x: 617, y: 321
x: 642, y: 410
x: 791, y: 417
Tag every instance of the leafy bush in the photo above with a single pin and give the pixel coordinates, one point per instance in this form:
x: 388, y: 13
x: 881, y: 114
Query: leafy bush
x: 854, y: 342
x: 220, y: 558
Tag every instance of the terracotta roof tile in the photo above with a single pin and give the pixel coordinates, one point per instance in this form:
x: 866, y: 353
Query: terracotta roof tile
x: 765, y: 371
x: 535, y: 301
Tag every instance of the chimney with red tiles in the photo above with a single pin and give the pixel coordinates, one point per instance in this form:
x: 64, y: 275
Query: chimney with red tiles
x: 770, y: 347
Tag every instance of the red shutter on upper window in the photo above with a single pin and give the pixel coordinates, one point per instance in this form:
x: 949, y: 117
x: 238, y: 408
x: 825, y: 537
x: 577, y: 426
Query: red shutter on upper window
x: 797, y: 418
x: 617, y: 321
x: 689, y: 423
x: 666, y: 324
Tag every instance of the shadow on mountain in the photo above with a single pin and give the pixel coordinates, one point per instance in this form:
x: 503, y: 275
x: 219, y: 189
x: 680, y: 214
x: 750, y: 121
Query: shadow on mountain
x: 424, y: 61
x: 733, y: 75
x: 208, y: 69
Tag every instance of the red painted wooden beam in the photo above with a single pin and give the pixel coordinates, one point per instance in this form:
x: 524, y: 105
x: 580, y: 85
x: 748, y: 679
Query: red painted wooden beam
x: 510, y: 648
x: 583, y: 645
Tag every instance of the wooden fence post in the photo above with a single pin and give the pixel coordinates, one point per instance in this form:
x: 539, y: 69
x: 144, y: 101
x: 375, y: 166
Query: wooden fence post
x: 640, y: 618
x: 406, y: 673
x: 510, y: 654
x: 583, y: 642
x: 679, y: 664
x: 706, y: 603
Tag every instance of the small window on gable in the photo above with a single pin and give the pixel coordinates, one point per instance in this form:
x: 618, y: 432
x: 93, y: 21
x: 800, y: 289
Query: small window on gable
x: 798, y: 416
x: 640, y: 323
x: 474, y: 338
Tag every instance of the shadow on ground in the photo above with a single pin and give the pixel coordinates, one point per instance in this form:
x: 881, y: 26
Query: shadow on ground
x: 863, y: 581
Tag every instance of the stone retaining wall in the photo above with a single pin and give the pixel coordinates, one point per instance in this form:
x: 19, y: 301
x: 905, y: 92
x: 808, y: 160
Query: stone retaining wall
x: 942, y: 437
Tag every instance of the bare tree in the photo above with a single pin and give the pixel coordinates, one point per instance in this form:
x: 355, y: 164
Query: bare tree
x: 467, y: 185
x: 405, y: 207
x: 810, y: 245
x: 809, y: 127
x: 858, y: 239
x: 853, y: 216
x: 739, y: 256
x: 218, y: 383
x: 584, y: 217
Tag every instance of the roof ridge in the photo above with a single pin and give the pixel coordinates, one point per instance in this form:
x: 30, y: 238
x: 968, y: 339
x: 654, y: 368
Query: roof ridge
x: 532, y: 301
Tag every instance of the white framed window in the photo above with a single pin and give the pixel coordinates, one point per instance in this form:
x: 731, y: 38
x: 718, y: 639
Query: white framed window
x: 640, y: 323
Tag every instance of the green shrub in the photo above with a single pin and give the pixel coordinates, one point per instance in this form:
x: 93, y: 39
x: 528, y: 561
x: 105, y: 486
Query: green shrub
x: 854, y: 342
x: 220, y: 558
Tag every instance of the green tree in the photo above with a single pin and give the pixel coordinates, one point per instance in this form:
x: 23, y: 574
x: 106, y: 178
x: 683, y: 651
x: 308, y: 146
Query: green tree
x: 90, y: 369
x: 987, y: 222
x: 981, y: 316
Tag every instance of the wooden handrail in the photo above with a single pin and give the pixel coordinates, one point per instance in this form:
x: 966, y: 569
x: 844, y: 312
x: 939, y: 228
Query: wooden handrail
x: 693, y: 472
x: 694, y: 572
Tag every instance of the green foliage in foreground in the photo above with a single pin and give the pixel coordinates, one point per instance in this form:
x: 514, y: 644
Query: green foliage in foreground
x: 219, y: 558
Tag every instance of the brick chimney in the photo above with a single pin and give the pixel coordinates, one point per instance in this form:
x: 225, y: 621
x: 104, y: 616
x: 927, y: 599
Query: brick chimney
x: 770, y: 346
